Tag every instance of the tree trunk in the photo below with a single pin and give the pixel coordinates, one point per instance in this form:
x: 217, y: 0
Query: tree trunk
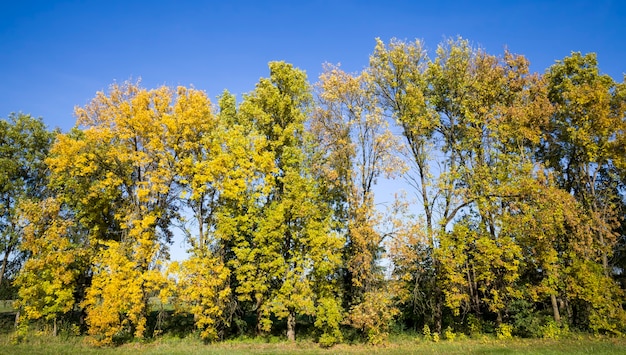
x: 570, y: 314
x: 438, y: 315
x: 259, y: 317
x: 476, y: 296
x: 291, y: 326
x: 469, y: 284
x: 555, y: 309
x: 5, y: 261
x: 605, y: 259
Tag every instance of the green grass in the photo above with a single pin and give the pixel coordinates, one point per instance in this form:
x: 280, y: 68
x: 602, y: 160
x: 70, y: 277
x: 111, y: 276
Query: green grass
x: 76, y: 345
x: 6, y: 306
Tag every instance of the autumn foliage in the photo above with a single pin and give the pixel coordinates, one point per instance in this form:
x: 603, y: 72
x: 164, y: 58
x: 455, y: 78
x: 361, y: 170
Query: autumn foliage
x: 516, y: 226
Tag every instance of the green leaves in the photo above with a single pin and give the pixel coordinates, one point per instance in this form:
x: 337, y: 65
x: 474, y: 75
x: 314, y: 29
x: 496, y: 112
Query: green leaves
x: 518, y: 179
x: 24, y: 145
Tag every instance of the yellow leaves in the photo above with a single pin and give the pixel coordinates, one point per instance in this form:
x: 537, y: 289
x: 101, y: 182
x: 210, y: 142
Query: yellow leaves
x: 48, y: 278
x: 117, y: 302
x: 351, y: 126
x: 374, y: 316
x: 588, y: 112
x: 202, y: 289
x: 328, y: 317
x: 127, y: 160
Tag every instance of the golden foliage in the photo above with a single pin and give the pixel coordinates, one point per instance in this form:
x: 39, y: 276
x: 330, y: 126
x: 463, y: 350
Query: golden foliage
x: 202, y: 289
x: 48, y: 278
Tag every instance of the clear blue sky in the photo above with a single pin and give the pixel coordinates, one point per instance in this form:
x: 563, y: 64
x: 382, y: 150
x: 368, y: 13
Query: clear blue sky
x: 55, y: 55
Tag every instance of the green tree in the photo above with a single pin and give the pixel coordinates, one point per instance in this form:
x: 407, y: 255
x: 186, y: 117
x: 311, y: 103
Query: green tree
x: 283, y: 242
x: 49, y: 279
x: 579, y: 143
x: 24, y: 145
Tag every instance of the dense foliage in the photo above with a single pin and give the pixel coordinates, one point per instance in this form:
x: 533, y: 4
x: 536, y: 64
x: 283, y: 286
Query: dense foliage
x: 517, y: 227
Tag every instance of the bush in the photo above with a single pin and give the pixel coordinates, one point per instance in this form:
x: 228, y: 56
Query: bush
x: 436, y: 337
x: 474, y: 327
x: 328, y: 320
x: 373, y: 316
x: 449, y: 334
x: 552, y: 330
x: 426, y: 332
x: 504, y: 331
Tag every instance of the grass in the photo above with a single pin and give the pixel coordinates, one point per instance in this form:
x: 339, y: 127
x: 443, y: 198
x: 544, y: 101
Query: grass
x: 76, y: 345
x: 6, y: 306
x: 405, y: 343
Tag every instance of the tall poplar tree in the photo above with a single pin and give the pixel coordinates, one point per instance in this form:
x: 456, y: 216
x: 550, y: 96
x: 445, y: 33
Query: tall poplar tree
x: 285, y: 246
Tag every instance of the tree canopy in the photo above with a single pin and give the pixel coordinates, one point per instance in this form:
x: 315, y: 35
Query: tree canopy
x: 512, y: 220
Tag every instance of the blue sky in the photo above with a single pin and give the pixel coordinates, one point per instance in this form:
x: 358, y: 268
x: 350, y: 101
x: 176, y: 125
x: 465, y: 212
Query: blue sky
x: 55, y: 55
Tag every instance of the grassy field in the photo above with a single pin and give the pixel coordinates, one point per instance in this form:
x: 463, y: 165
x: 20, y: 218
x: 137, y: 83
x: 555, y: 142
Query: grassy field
x: 76, y: 345
x: 398, y: 344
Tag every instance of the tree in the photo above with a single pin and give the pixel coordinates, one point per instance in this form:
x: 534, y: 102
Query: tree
x: 217, y: 160
x: 282, y: 240
x: 49, y: 279
x: 468, y: 119
x: 579, y: 145
x: 359, y: 149
x: 24, y: 145
x: 491, y: 111
x: 398, y: 70
x: 121, y: 170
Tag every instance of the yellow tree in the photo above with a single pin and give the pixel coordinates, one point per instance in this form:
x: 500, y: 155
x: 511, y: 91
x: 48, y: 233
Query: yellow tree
x: 581, y: 146
x: 491, y: 111
x: 49, y: 279
x: 556, y: 235
x: 202, y: 289
x: 216, y: 165
x: 467, y: 118
x: 398, y: 70
x: 579, y: 142
x: 121, y: 170
x: 281, y: 240
x: 359, y: 148
x: 197, y: 145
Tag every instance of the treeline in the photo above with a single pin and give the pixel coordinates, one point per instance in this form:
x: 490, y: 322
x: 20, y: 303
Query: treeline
x: 518, y: 180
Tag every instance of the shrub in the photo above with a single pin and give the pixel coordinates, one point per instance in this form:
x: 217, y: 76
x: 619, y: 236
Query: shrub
x: 449, y: 334
x: 552, y: 330
x: 426, y: 332
x: 373, y: 316
x: 504, y: 331
x: 473, y: 325
x: 436, y: 337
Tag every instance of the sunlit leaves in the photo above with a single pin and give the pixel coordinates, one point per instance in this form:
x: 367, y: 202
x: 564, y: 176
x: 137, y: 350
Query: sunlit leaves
x: 281, y: 242
x: 138, y: 153
x: 202, y: 290
x: 518, y: 177
x: 24, y: 145
x: 48, y: 279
